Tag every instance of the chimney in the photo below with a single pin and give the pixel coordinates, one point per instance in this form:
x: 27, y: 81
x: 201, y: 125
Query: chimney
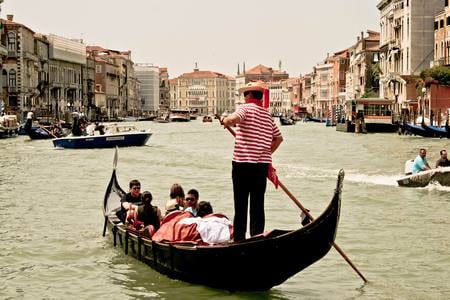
x: 10, y: 17
x: 362, y: 35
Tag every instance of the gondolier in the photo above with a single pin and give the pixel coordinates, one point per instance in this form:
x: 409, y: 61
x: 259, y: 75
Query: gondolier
x: 257, y: 137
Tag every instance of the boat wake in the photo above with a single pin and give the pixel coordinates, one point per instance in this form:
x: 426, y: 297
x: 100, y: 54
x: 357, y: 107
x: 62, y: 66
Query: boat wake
x: 373, y: 179
x: 292, y: 171
x: 436, y: 187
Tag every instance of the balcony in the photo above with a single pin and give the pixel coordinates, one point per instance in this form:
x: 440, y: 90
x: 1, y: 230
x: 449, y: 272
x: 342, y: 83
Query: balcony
x: 444, y: 61
x: 12, y: 89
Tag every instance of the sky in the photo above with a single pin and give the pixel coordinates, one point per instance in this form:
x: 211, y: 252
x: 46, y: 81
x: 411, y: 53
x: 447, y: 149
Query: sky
x: 218, y: 35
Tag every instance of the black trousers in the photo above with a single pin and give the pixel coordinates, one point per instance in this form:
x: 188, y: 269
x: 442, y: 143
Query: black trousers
x: 249, y: 179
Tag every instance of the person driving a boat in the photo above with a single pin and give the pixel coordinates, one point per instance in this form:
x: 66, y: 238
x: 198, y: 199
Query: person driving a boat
x: 420, y: 163
x: 443, y: 160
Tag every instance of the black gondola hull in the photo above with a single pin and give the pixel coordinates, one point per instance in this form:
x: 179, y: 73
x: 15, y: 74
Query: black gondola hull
x: 255, y: 264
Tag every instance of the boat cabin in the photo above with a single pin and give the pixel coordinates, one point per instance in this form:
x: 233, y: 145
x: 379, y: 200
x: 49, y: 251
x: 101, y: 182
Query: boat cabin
x: 370, y: 114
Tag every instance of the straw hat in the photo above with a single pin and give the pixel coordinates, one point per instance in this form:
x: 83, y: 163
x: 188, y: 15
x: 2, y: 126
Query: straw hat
x: 253, y: 86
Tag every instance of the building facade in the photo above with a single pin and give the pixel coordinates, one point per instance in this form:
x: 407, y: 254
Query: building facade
x: 25, y: 69
x: 148, y: 76
x: 67, y: 61
x: 203, y: 92
x: 406, y: 47
x: 164, y: 91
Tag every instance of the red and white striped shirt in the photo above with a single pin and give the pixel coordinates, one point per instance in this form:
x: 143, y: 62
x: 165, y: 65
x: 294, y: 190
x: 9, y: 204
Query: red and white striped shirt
x: 254, y: 134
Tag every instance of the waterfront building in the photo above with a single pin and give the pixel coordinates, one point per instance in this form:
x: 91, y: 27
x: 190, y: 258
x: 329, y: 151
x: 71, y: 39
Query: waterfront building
x: 322, y: 80
x: 442, y: 36
x: 340, y: 61
x: 292, y: 95
x: 173, y: 93
x: 362, y: 77
x: 406, y: 47
x: 66, y: 64
x: 202, y: 92
x: 148, y: 76
x: 275, y: 97
x: 230, y: 104
x: 258, y: 73
x: 116, y: 85
x: 25, y: 69
x: 88, y: 77
x: 164, y: 91
x: 3, y: 81
x: 307, y: 96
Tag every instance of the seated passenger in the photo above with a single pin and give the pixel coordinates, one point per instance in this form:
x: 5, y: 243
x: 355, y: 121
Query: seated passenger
x: 146, y: 218
x: 99, y: 128
x: 183, y: 227
x: 130, y: 200
x: 90, y: 129
x: 176, y: 201
x: 421, y: 163
x: 191, y: 202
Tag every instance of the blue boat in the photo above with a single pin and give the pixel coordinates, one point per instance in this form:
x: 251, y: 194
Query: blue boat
x: 435, y: 131
x: 120, y: 136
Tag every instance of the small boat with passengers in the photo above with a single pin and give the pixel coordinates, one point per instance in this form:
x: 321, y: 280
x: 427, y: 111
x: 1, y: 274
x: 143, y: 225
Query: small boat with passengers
x: 258, y: 263
x: 285, y: 120
x: 179, y: 115
x: 424, y: 178
x: 9, y: 127
x: 114, y: 135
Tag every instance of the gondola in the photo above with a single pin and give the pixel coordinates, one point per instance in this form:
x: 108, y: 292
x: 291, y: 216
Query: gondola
x: 286, y: 121
x: 416, y: 130
x: 436, y: 131
x: 256, y: 264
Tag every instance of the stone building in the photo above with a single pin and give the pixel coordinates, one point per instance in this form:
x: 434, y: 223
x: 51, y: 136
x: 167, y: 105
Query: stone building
x: 116, y: 85
x: 257, y: 73
x: 67, y: 61
x: 406, y: 46
x: 203, y: 92
x: 164, y: 91
x: 307, y: 98
x: 441, y: 36
x: 25, y: 69
x: 362, y: 78
x: 148, y: 76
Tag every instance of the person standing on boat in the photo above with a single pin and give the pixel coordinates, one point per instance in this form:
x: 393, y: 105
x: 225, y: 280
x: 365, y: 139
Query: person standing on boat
x: 420, y: 163
x: 257, y: 137
x: 130, y: 200
x: 443, y: 161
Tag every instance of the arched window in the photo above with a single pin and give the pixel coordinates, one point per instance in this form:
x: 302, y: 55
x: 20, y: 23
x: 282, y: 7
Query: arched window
x: 12, y: 78
x: 12, y: 41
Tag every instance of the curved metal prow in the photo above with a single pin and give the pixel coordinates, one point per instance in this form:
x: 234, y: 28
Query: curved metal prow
x: 340, y: 180
x: 116, y: 158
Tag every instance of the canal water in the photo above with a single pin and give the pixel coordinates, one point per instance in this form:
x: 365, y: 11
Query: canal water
x: 51, y: 214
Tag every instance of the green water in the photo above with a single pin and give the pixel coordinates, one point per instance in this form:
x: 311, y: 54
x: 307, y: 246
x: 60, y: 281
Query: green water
x: 50, y: 235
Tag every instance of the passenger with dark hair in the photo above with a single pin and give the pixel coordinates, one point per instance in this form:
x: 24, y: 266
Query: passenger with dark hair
x: 130, y: 200
x: 204, y: 208
x: 191, y: 202
x: 146, y: 218
x: 443, y: 160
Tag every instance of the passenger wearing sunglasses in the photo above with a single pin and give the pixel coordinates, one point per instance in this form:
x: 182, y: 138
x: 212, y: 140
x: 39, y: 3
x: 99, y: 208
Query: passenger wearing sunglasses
x: 191, y: 202
x: 130, y: 200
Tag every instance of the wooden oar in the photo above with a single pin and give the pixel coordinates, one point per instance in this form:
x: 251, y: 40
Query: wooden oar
x: 306, y: 212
